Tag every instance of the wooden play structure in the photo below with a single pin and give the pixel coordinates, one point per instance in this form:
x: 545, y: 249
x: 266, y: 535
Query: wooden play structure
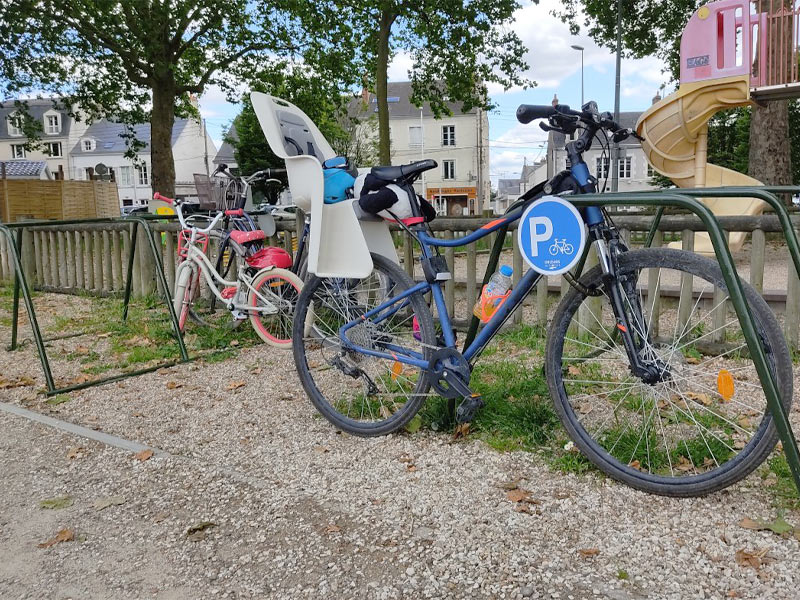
x: 733, y: 53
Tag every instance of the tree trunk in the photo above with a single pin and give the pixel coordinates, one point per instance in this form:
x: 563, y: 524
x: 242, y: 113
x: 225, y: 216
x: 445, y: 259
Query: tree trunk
x: 161, y: 122
x: 770, y: 152
x: 381, y: 77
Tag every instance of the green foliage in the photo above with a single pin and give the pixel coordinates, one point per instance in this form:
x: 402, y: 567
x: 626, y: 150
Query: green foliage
x: 141, y: 61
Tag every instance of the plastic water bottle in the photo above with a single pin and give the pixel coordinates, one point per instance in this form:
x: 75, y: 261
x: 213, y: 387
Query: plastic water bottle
x: 493, y: 294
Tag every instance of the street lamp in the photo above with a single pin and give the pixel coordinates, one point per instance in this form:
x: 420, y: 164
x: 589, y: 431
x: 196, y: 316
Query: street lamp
x: 580, y: 49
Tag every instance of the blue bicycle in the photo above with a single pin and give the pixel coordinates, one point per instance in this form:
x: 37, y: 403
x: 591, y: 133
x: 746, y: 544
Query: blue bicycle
x: 646, y: 363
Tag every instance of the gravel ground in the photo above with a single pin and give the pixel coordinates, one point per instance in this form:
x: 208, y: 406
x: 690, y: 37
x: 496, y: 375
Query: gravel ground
x: 301, y: 510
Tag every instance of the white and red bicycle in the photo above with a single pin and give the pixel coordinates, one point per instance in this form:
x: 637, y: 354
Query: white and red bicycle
x: 266, y: 297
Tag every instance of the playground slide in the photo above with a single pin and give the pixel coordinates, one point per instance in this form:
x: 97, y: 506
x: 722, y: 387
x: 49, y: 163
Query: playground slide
x: 675, y: 137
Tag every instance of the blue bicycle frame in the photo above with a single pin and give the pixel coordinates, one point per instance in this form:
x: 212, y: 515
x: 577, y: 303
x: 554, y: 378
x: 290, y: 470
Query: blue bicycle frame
x: 593, y: 216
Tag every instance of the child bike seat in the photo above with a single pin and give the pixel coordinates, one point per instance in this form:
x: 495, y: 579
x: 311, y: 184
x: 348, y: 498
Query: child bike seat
x: 270, y: 257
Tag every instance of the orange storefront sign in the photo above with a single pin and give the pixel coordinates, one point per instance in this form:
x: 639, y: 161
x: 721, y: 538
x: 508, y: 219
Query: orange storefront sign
x: 469, y: 192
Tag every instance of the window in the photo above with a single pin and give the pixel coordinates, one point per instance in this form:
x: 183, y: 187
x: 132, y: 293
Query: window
x: 88, y: 172
x: 125, y: 176
x: 448, y: 169
x: 602, y: 167
x: 54, y: 149
x: 625, y: 167
x: 415, y: 136
x: 15, y: 125
x: 448, y: 135
x: 87, y: 145
x: 143, y: 178
x: 17, y: 151
x: 52, y: 124
x: 651, y: 172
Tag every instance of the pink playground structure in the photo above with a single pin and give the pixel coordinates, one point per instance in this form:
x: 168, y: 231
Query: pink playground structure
x: 732, y: 37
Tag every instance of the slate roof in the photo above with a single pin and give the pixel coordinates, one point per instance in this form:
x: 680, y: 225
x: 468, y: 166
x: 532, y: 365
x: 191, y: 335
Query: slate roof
x: 108, y: 141
x: 400, y: 106
x: 28, y: 169
x: 225, y: 154
x: 36, y: 108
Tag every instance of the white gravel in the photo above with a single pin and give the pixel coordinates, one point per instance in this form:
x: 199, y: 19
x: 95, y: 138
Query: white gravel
x: 303, y: 511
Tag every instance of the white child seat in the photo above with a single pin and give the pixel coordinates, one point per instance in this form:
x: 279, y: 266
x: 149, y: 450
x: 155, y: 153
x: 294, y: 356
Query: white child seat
x: 339, y: 243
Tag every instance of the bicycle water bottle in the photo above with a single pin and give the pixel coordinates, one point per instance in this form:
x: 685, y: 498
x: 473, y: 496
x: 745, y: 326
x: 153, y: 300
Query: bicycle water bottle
x: 493, y: 294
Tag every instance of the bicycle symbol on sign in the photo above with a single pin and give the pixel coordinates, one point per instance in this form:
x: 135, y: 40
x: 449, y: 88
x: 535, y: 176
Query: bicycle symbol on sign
x: 560, y: 246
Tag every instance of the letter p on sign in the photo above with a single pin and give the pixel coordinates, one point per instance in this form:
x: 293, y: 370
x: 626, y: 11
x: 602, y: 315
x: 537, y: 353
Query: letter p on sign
x: 536, y: 236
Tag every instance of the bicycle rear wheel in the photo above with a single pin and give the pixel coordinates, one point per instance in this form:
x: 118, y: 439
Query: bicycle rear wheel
x: 362, y: 394
x: 705, y: 425
x: 186, y: 286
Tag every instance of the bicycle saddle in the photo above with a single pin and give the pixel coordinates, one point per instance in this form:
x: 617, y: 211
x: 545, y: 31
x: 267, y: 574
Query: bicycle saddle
x: 243, y: 237
x: 403, y: 171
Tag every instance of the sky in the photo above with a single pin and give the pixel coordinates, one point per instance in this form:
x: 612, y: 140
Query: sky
x: 553, y: 65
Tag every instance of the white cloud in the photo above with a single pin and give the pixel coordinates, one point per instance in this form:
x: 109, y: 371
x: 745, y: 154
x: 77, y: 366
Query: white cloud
x: 399, y: 67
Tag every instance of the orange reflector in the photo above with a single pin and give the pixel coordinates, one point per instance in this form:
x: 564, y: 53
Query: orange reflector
x: 621, y: 327
x: 725, y: 385
x: 397, y: 369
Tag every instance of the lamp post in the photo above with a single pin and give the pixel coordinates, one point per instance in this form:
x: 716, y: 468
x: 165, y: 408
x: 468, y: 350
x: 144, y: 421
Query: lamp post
x: 580, y: 49
x: 615, y: 148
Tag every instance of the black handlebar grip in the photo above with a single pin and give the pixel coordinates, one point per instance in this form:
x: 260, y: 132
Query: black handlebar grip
x: 529, y: 112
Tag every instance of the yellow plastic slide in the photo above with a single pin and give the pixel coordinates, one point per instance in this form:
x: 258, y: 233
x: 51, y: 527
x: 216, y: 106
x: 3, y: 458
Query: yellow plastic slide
x: 675, y: 132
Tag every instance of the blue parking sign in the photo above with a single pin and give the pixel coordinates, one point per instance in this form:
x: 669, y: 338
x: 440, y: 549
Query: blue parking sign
x: 551, y: 235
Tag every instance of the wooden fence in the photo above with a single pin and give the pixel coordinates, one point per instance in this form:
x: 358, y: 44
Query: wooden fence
x: 26, y: 199
x: 92, y: 258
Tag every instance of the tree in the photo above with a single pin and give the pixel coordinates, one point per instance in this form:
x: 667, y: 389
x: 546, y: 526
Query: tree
x: 140, y: 60
x: 654, y: 27
x: 456, y: 48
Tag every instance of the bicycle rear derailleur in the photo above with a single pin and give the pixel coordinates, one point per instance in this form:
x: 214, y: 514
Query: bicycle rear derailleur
x: 450, y: 378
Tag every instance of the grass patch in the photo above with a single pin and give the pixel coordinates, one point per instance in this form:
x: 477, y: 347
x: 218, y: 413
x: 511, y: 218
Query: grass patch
x: 59, y: 399
x: 784, y: 489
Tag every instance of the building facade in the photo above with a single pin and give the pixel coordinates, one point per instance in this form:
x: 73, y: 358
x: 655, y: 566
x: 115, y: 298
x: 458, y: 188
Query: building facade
x: 58, y: 134
x: 459, y: 143
x: 102, y: 147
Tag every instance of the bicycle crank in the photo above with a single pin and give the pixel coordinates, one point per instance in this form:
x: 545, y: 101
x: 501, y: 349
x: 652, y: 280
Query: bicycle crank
x: 451, y: 374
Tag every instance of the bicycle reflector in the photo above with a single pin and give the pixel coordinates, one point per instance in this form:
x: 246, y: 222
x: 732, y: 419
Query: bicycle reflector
x: 725, y: 385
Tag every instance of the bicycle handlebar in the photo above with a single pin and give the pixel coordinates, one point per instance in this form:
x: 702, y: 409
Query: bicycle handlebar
x: 179, y: 211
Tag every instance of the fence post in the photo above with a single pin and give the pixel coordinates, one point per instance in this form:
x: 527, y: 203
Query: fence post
x: 97, y: 261
x: 28, y: 257
x: 146, y: 265
x: 686, y: 301
x: 63, y: 276
x: 108, y: 284
x: 757, y: 256
x: 450, y: 284
x: 169, y: 259
x: 69, y: 238
x: 88, y: 270
x: 37, y: 256
x: 792, y: 319
x: 53, y: 257
x: 116, y: 260
x: 408, y: 254
x: 654, y: 290
x: 79, y: 250
x: 472, y: 292
x: 516, y: 276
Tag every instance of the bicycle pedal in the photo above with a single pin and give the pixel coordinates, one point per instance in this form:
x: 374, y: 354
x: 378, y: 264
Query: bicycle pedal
x: 467, y: 410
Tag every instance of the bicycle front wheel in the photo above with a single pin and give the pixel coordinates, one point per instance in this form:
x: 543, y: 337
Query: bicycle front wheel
x: 186, y: 286
x: 704, y: 425
x: 359, y: 393
x: 280, y: 288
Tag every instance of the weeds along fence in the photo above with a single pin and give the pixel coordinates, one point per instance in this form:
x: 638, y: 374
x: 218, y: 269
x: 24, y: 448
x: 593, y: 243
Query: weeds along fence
x: 92, y: 259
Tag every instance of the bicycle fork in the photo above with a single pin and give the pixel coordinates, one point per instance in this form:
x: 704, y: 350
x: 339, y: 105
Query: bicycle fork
x: 650, y: 372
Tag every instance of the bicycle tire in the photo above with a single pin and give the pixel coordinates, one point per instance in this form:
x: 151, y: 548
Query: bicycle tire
x: 306, y: 340
x: 185, y: 290
x: 697, y: 483
x: 275, y: 330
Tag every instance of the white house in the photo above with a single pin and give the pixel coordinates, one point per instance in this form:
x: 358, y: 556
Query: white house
x: 59, y: 132
x: 103, y: 145
x: 458, y: 143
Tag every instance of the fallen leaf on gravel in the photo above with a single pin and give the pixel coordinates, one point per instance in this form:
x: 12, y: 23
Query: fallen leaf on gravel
x: 525, y: 508
x: 414, y: 424
x: 745, y: 558
x: 102, y: 503
x: 573, y: 370
x: 462, y: 430
x: 163, y: 371
x: 256, y: 371
x: 732, y: 594
x: 321, y: 449
x: 158, y: 517
x: 520, y: 495
x: 59, y: 399
x: 779, y: 525
x: 333, y: 528
x: 76, y: 452
x: 703, y: 399
x: 82, y: 378
x: 411, y: 467
x: 143, y: 455
x: 56, y: 503
x: 692, y: 360
x: 234, y: 342
x: 234, y: 385
x: 197, y: 532
x: 64, y: 535
x: 510, y: 485
x: 561, y: 494
x: 173, y: 385
x: 588, y: 552
x: 82, y: 350
x: 405, y: 458
x: 12, y: 383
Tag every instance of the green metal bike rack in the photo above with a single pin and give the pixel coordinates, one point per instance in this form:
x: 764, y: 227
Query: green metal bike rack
x: 684, y: 200
x: 21, y: 285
